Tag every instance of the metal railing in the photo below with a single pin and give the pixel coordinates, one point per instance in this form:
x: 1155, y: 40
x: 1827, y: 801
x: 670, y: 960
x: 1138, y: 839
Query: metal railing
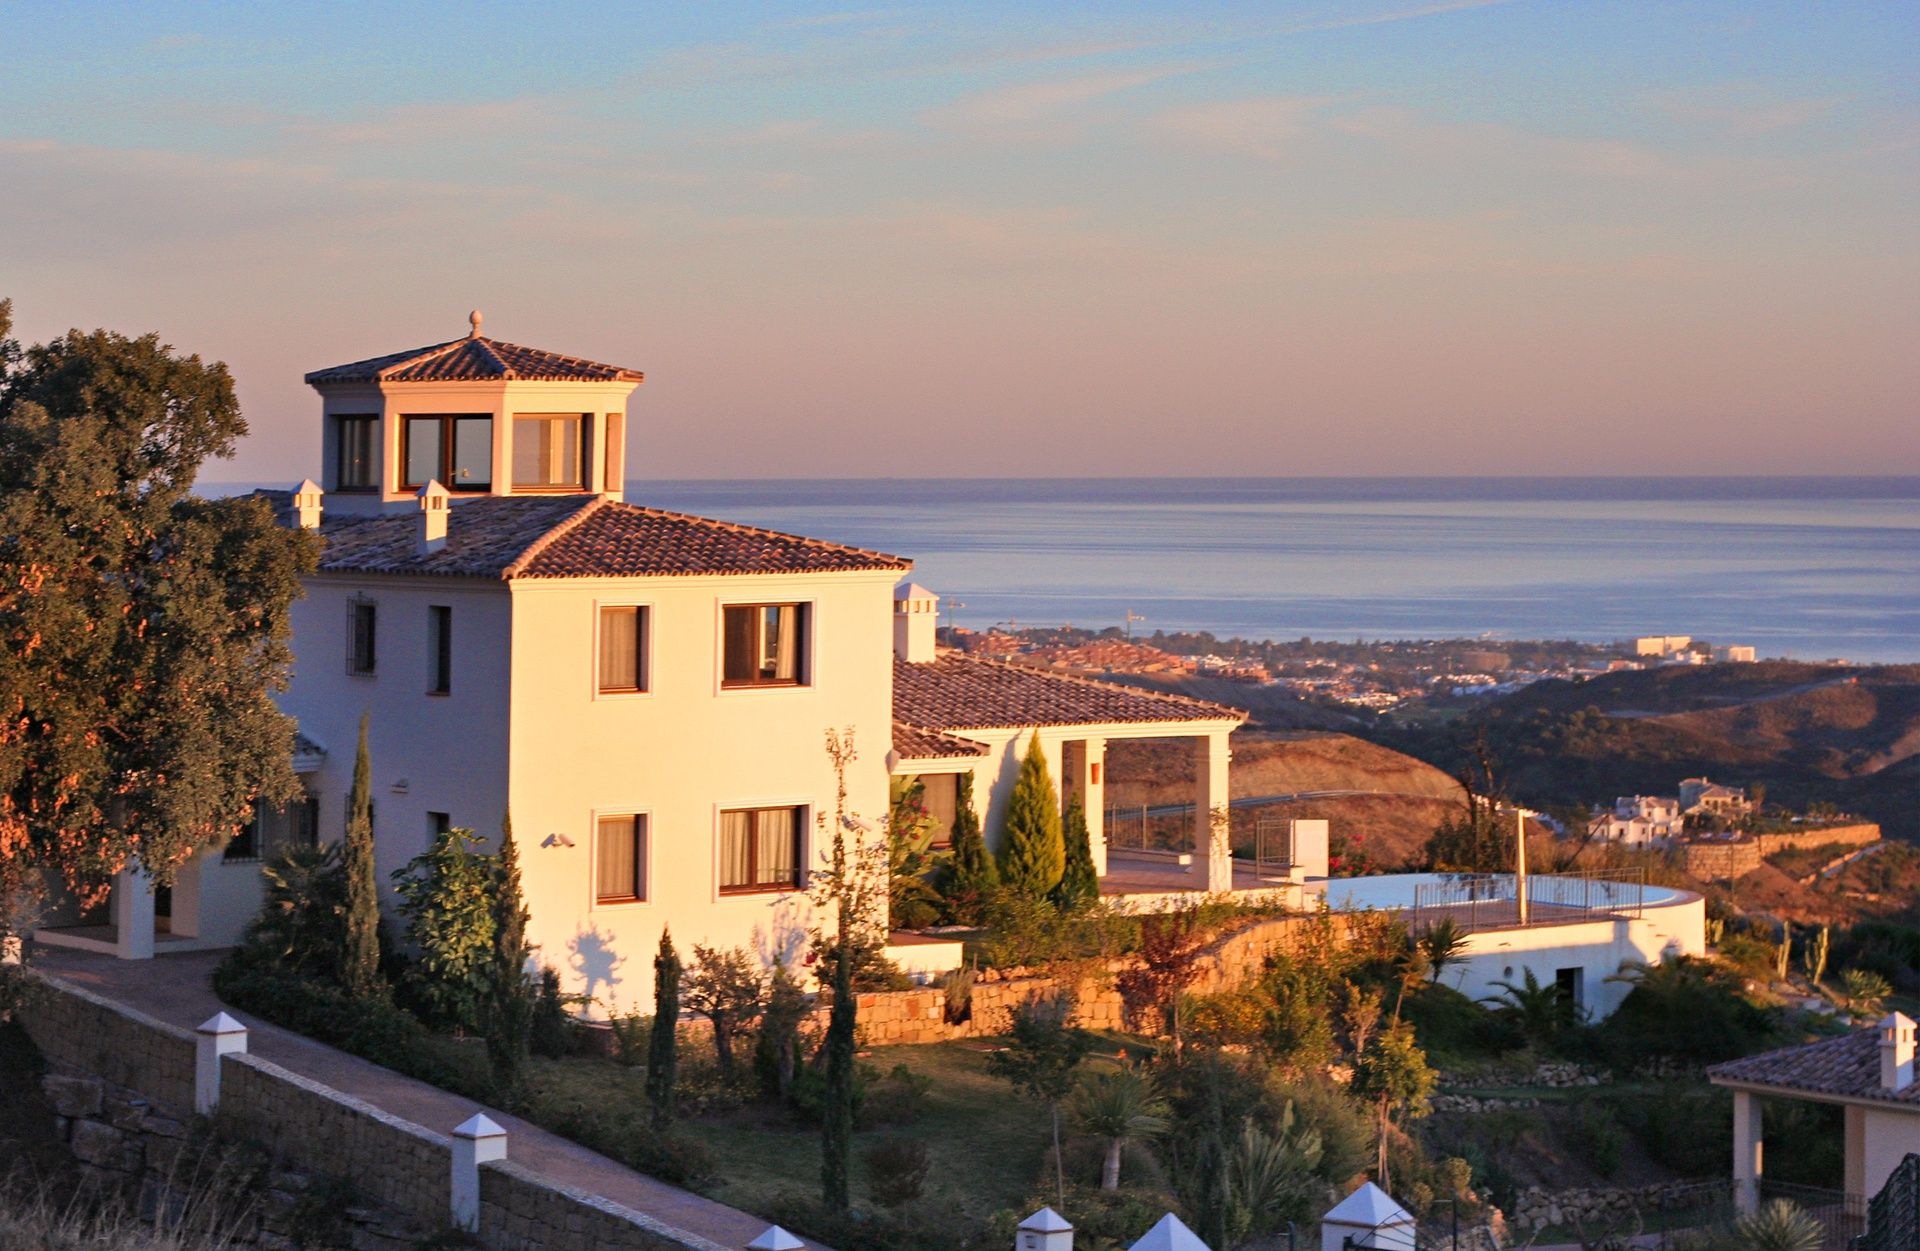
x: 1893, y: 1216
x: 1272, y: 846
x: 1479, y: 901
x: 1144, y: 828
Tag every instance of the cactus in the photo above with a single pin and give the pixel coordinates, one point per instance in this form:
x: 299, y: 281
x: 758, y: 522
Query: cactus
x: 1813, y: 955
x: 1783, y: 952
x: 1716, y: 930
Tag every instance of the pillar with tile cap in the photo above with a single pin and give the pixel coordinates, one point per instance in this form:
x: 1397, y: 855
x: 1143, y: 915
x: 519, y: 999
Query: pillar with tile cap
x: 1045, y: 1230
x: 217, y: 1036
x: 1212, y: 848
x: 477, y: 1140
x: 775, y: 1239
x: 1746, y: 1150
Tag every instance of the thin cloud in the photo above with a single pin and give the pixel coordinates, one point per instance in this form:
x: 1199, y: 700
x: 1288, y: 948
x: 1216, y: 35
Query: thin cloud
x: 1031, y: 102
x: 1741, y: 111
x: 1398, y: 15
x: 1262, y: 127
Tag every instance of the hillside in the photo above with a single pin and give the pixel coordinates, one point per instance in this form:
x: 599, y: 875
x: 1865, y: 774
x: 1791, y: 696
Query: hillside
x: 1844, y: 735
x: 1389, y: 825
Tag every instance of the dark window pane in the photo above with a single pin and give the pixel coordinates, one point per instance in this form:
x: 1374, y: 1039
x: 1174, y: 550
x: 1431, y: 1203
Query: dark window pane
x: 424, y: 459
x: 621, y: 856
x: 740, y: 644
x: 472, y: 466
x: 760, y: 848
x: 356, y: 465
x: 620, y: 642
x: 440, y: 649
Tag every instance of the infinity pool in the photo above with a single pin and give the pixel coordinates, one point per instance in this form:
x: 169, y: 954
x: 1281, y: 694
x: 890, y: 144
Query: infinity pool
x: 1396, y: 890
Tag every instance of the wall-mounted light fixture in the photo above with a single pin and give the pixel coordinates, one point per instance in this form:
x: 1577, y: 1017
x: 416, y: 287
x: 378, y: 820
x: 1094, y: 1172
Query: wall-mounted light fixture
x: 556, y: 839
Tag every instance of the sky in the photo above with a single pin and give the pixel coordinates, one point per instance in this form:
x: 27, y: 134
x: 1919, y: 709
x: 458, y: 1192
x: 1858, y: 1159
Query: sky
x: 1345, y: 237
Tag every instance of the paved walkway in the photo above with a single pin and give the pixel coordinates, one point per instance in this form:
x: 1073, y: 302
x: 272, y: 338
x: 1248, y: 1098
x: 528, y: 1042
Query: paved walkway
x: 177, y: 989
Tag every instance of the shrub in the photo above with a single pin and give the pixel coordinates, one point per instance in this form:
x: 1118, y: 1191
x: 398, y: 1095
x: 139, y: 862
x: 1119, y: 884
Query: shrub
x: 1684, y: 1008
x: 1598, y: 1134
x: 301, y: 925
x: 1448, y: 1024
x: 1748, y: 954
x: 446, y: 895
x: 632, y: 1032
x: 898, y: 1098
x: 776, y: 1052
x: 897, y: 1169
x: 1027, y: 932
x: 969, y: 876
x: 726, y: 988
x: 547, y: 1033
x: 809, y: 1094
x: 632, y: 1140
x: 956, y: 986
x: 1229, y: 1018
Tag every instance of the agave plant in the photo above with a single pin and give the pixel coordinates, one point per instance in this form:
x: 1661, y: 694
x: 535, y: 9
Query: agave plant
x: 1780, y: 1226
x: 1865, y: 990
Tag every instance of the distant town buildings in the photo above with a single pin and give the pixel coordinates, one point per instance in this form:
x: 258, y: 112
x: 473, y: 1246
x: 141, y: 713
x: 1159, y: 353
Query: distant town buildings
x: 1661, y: 644
x: 1639, y: 821
x: 1698, y: 796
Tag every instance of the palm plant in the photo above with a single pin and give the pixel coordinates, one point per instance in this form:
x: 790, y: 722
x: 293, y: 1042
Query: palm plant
x: 1780, y: 1226
x: 1121, y: 1106
x: 1865, y: 990
x: 1270, y: 1177
x: 1442, y: 944
x: 1539, y: 1010
x: 302, y: 920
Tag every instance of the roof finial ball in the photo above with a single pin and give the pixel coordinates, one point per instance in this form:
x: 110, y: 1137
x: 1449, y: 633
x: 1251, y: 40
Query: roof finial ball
x: 473, y: 319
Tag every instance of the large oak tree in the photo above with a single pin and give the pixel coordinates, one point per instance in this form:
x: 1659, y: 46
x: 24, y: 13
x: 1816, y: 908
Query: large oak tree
x: 143, y: 629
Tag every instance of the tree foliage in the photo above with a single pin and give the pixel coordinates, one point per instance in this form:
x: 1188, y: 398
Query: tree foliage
x: 360, y: 952
x: 1118, y: 1106
x: 1032, y: 848
x: 1079, y: 884
x: 1044, y: 1050
x: 447, y: 900
x: 727, y: 989
x: 663, y: 1049
x: 143, y: 630
x: 970, y: 876
x: 510, y: 993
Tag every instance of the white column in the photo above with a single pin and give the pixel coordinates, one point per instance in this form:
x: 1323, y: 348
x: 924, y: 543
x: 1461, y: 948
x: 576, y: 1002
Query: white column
x: 1746, y: 1150
x: 133, y: 914
x: 219, y: 1035
x: 1855, y: 1153
x: 1212, y: 856
x: 476, y: 1141
x: 1090, y: 783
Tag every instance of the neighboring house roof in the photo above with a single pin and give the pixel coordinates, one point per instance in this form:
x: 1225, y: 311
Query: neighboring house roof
x: 1848, y: 1067
x: 580, y: 536
x: 473, y: 358
x: 956, y: 691
x: 912, y: 742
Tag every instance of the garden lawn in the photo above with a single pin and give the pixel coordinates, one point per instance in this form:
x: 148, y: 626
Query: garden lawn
x: 987, y: 1142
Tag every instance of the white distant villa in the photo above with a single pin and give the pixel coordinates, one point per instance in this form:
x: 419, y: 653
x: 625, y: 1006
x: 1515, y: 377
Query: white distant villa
x: 648, y: 694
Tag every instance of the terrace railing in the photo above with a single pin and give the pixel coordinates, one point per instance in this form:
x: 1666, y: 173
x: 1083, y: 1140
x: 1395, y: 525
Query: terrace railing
x: 1483, y: 901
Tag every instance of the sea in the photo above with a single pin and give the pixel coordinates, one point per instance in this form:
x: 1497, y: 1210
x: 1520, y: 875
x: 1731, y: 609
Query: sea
x: 1807, y: 568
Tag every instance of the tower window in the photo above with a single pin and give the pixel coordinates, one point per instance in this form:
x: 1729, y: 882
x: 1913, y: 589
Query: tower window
x: 356, y: 464
x: 456, y: 451
x: 550, y: 451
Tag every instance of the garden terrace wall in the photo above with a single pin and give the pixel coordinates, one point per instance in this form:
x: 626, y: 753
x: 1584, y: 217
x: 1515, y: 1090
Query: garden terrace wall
x: 83, y: 1032
x: 519, y: 1210
x: 1715, y: 862
x: 1845, y: 835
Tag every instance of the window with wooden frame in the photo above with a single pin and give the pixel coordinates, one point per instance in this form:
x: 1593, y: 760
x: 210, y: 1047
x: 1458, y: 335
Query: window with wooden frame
x: 551, y: 451
x: 622, y: 668
x: 455, y: 450
x: 268, y: 829
x: 439, y: 649
x: 764, y: 645
x: 356, y: 448
x: 615, y: 425
x: 761, y: 849
x: 620, y: 859
x: 363, y: 622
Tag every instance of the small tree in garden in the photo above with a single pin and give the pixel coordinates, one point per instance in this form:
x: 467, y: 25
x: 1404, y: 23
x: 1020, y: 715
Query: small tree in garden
x: 1032, y: 850
x: 972, y: 876
x: 1393, y: 1073
x: 724, y: 987
x: 912, y: 902
x: 510, y: 1007
x: 1044, y: 1049
x: 663, y: 1049
x: 1442, y: 944
x: 447, y: 898
x: 776, y: 1053
x: 1079, y: 884
x: 302, y: 922
x: 1167, y: 963
x: 547, y: 1035
x: 1119, y: 1106
x: 360, y: 960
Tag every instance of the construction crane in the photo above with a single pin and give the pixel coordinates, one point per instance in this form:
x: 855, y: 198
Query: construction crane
x: 1132, y: 617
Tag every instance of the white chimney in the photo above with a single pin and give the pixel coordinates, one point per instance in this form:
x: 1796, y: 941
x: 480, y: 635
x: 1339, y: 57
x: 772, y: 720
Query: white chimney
x: 1045, y: 1230
x: 306, y: 504
x: 1896, y: 1051
x: 916, y: 611
x: 433, y: 518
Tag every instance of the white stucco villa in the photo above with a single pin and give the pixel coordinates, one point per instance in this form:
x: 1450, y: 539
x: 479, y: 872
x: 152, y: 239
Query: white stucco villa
x: 1869, y: 1073
x: 648, y: 694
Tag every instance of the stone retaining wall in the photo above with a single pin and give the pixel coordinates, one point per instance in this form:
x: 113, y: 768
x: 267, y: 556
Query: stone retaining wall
x: 121, y: 1087
x: 1596, y: 1206
x: 1848, y: 835
x: 1721, y: 862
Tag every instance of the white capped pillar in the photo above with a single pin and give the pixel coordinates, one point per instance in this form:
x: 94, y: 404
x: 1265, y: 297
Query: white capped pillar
x: 218, y: 1036
x: 477, y: 1140
x: 1089, y: 782
x: 1746, y: 1150
x: 133, y: 913
x: 1212, y: 850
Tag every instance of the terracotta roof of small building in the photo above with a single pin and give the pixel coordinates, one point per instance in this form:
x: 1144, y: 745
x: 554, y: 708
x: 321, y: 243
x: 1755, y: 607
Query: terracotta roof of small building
x: 473, y: 358
x: 1848, y: 1066
x: 913, y: 742
x: 956, y: 691
x: 580, y: 536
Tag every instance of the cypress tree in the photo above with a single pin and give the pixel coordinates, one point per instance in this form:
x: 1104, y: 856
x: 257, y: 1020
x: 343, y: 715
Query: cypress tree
x: 836, y: 1132
x: 971, y: 876
x: 663, y: 1045
x: 1033, y: 851
x: 360, y: 962
x: 1079, y: 884
x: 511, y: 1012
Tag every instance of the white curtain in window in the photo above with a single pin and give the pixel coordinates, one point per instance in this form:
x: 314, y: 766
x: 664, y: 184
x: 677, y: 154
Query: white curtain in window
x: 787, y: 650
x: 736, y: 835
x: 776, y: 846
x: 619, y: 858
x: 619, y: 649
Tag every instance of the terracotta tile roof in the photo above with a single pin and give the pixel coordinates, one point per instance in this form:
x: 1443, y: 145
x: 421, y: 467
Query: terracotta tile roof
x: 912, y: 742
x: 956, y: 691
x: 1848, y: 1066
x: 580, y: 536
x: 473, y: 358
